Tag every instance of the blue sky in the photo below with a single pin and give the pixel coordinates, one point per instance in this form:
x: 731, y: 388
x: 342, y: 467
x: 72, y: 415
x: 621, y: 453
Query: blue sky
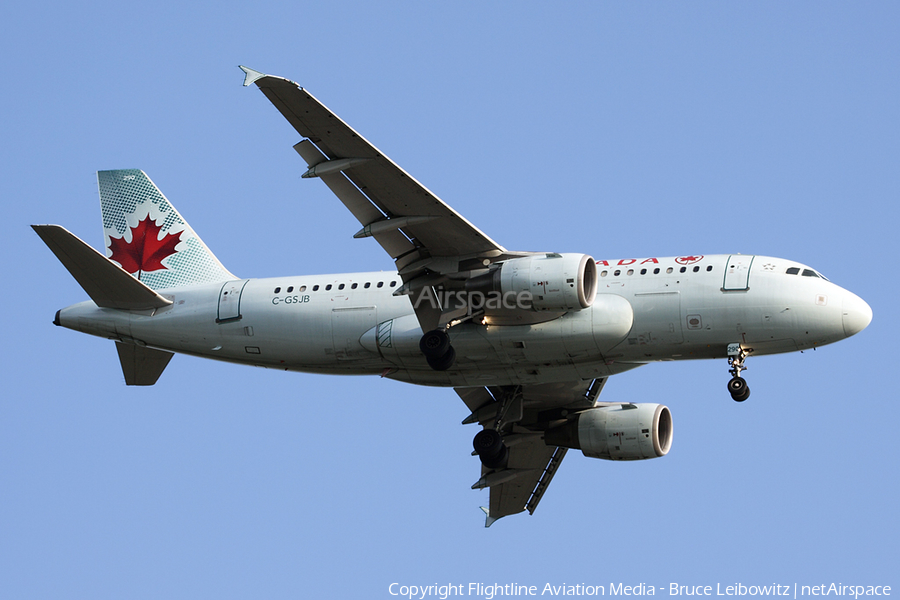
x: 616, y: 129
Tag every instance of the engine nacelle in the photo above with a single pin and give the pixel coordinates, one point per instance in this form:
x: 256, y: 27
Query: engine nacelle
x: 542, y: 282
x: 617, y: 432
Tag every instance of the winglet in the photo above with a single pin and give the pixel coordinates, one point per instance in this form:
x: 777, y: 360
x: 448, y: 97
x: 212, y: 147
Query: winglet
x: 488, y: 519
x: 250, y: 76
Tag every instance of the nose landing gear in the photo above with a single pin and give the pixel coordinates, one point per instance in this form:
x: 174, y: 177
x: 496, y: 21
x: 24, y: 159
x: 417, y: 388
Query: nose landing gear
x: 737, y: 387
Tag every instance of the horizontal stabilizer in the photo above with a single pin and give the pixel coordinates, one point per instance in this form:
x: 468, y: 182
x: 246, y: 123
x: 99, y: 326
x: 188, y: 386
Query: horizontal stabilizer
x: 108, y: 285
x: 142, y: 365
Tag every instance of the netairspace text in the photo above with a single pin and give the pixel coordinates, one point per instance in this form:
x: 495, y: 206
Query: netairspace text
x: 490, y: 591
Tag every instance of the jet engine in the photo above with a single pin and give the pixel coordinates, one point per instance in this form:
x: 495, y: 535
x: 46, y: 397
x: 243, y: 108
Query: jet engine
x: 550, y: 282
x: 617, y: 432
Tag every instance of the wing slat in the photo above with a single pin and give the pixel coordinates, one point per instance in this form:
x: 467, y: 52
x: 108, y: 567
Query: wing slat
x: 546, y: 478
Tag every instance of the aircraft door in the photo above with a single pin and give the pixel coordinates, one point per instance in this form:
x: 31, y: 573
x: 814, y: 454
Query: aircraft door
x: 230, y: 301
x: 737, y: 273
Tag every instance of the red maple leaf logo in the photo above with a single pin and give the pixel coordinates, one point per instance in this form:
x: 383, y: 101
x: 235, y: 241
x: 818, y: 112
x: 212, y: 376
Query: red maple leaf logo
x: 686, y: 260
x: 146, y: 251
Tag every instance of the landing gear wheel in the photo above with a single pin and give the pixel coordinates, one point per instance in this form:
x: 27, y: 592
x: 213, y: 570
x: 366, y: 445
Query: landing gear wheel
x: 442, y: 363
x: 435, y: 344
x: 739, y: 389
x: 490, y: 448
x: 741, y: 397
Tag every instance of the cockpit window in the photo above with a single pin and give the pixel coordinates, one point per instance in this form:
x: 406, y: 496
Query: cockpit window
x: 806, y: 273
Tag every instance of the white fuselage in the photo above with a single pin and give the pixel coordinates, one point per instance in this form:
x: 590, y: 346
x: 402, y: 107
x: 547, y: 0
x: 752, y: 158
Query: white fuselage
x: 646, y: 310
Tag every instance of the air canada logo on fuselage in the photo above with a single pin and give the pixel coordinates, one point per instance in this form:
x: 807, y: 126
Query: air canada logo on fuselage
x: 681, y: 260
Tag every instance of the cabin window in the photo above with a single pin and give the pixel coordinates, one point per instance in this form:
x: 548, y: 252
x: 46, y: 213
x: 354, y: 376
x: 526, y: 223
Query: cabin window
x: 793, y: 270
x: 290, y: 289
x: 393, y: 283
x: 277, y: 290
x: 682, y: 269
x: 367, y: 285
x: 696, y: 269
x: 316, y: 288
x: 340, y: 287
x: 631, y: 271
x: 328, y: 287
x: 604, y: 273
x: 656, y: 271
x: 380, y: 284
x: 354, y: 286
x: 709, y: 268
x: 643, y: 271
x: 669, y: 270
x: 617, y: 272
x: 302, y: 288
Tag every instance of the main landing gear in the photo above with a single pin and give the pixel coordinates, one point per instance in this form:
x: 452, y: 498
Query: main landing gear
x: 489, y: 443
x: 490, y: 448
x: 435, y: 345
x: 738, y: 387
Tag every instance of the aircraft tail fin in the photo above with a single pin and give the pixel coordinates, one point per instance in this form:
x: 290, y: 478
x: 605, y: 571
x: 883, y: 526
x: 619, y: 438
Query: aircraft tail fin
x: 149, y: 238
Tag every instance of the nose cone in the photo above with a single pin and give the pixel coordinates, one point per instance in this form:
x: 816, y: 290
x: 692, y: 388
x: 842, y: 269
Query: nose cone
x: 856, y: 314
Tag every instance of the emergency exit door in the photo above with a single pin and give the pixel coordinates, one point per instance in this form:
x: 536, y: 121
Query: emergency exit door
x: 737, y: 273
x: 230, y: 301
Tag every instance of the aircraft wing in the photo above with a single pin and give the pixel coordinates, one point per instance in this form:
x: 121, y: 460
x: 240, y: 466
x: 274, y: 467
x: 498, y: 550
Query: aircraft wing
x: 522, y: 413
x: 426, y: 238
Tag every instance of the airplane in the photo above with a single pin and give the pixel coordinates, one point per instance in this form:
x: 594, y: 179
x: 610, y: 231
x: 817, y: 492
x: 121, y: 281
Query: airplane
x: 527, y: 340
